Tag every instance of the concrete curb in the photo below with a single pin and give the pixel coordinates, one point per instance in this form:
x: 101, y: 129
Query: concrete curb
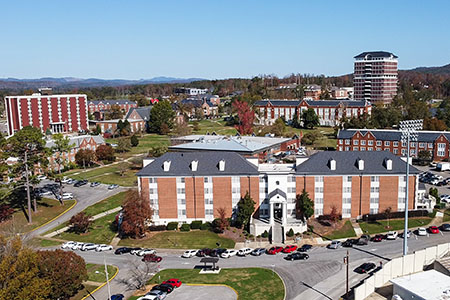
x: 48, y: 222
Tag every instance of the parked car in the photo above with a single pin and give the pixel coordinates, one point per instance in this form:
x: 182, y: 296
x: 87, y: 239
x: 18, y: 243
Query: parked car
x: 113, y: 186
x: 217, y: 252
x: 151, y: 258
x: 289, y: 248
x: 408, y: 234
x: 145, y: 252
x: 66, y: 180
x: 135, y: 251
x: 274, y: 250
x: 434, y: 229
x: 103, y: 247
x: 67, y: 196
x: 156, y: 294
x: 68, y: 245
x: 176, y: 283
x: 95, y: 183
x: 258, y: 251
x: 89, y: 246
x: 421, y: 231
x: 244, y: 251
x: 364, y: 268
x: 122, y: 250
x: 304, y: 248
x: 334, y: 245
x: 189, y: 253
x: 77, y: 246
x: 349, y: 243
x: 378, y: 238
x: 445, y: 227
x: 392, y: 235
x: 164, y: 287
x: 45, y: 192
x: 81, y: 183
x: 41, y: 177
x: 363, y: 240
x: 203, y: 252
x: 296, y: 256
x: 229, y: 253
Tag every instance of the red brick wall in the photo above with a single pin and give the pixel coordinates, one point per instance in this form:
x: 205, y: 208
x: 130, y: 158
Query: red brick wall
x: 145, y: 189
x: 199, y: 197
x: 167, y: 198
x: 412, y: 189
x: 222, y: 195
x: 365, y: 203
x: 189, y: 188
x: 388, y: 193
x: 34, y: 112
x: 356, y: 188
x: 332, y: 193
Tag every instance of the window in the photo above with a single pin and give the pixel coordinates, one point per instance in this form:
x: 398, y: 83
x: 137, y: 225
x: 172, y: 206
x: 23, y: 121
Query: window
x: 152, y: 180
x: 421, y: 145
x: 208, y: 190
x: 373, y: 211
x: 291, y: 179
x: 355, y: 148
x: 355, y: 142
x: 347, y: 211
x: 401, y: 199
x: 349, y: 178
x: 208, y: 179
x: 347, y: 200
x: 395, y: 151
x: 319, y: 189
x: 180, y: 179
x: 182, y: 201
x: 153, y: 191
x: 209, y: 212
x: 374, y: 178
x: 403, y: 151
x: 236, y: 190
x: 318, y: 179
x: 413, y: 144
x: 441, y: 149
x: 370, y: 143
x: 208, y: 201
x: 182, y: 212
x: 347, y: 148
x: 318, y: 211
x: 374, y: 200
x: 375, y: 189
x: 363, y: 143
x: 430, y: 145
x: 318, y: 200
x: 370, y: 149
x: 363, y: 148
x: 262, y: 179
x: 340, y: 142
x: 347, y: 189
x: 395, y: 144
x: 291, y: 189
x: 378, y: 149
x: 378, y: 143
x: 402, y: 189
x: 387, y: 143
x: 263, y: 190
x: 347, y: 142
x: 236, y: 179
x: 180, y: 191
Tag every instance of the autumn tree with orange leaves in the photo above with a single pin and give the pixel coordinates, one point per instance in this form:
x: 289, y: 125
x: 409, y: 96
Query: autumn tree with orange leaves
x: 246, y: 117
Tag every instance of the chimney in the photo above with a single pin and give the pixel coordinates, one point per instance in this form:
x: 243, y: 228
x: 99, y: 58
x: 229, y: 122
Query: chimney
x: 360, y: 164
x: 332, y: 164
x: 147, y: 161
x: 194, y: 165
x: 388, y: 163
x: 222, y: 165
x: 166, y: 166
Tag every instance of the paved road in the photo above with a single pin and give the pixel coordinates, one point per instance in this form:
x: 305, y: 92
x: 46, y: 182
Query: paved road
x: 320, y: 277
x: 85, y: 196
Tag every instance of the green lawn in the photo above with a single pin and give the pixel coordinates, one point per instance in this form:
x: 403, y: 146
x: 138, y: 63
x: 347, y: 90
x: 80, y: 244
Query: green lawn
x: 345, y: 232
x: 107, y: 175
x: 181, y: 240
x: 249, y: 283
x: 327, y: 139
x: 218, y: 126
x: 101, y: 232
x: 145, y: 143
x: 48, y: 209
x: 96, y: 273
x: 447, y: 215
x: 396, y: 224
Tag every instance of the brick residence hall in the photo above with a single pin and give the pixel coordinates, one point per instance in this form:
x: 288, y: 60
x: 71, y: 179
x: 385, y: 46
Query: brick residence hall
x: 188, y: 186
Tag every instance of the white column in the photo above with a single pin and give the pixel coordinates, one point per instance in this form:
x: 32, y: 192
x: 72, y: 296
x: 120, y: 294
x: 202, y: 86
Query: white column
x: 271, y: 219
x: 284, y: 216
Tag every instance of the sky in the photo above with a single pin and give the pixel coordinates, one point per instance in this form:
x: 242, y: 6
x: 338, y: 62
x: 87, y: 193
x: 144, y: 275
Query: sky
x: 215, y: 39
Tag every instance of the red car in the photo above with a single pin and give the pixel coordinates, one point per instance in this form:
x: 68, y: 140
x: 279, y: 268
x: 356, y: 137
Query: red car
x: 176, y: 283
x: 151, y: 258
x: 289, y: 248
x: 434, y: 229
x: 275, y: 250
x: 377, y: 238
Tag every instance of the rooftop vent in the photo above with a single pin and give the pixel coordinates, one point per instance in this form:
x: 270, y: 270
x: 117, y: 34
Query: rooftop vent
x: 388, y: 164
x: 332, y: 164
x: 360, y: 164
x: 222, y: 165
x: 166, y: 165
x: 194, y: 165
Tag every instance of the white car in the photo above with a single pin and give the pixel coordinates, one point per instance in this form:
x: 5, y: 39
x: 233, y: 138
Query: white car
x: 189, y: 253
x: 421, y: 231
x: 89, y: 246
x: 103, y: 247
x: 68, y: 245
x: 244, y: 251
x: 145, y: 252
x: 65, y: 180
x: 229, y: 253
x: 77, y: 246
x: 434, y: 181
x: 67, y: 196
x: 45, y: 193
x: 392, y: 235
x: 334, y: 245
x: 42, y: 177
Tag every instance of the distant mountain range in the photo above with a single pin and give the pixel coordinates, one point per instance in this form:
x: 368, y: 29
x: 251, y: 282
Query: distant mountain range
x: 71, y: 82
x: 443, y: 70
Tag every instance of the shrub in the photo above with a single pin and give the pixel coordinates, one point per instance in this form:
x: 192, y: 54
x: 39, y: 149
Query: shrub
x: 80, y: 222
x: 440, y: 205
x: 157, y: 228
x: 290, y: 233
x: 206, y: 226
x: 5, y: 212
x: 250, y: 236
x: 185, y: 227
x: 265, y: 234
x: 172, y: 226
x: 134, y: 141
x: 196, y: 224
x: 395, y: 215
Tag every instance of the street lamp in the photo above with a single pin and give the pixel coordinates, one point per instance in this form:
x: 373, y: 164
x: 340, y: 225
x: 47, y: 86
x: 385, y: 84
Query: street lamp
x: 409, y: 130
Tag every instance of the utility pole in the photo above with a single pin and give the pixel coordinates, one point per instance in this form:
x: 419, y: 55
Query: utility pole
x: 346, y: 261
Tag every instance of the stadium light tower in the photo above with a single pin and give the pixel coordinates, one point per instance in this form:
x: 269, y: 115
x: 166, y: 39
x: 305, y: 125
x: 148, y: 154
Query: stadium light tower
x: 409, y: 130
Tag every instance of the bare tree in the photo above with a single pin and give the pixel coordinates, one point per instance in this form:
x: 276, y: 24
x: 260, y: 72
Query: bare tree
x: 139, y: 273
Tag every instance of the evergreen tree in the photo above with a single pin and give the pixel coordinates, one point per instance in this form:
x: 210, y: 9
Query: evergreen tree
x: 162, y: 113
x: 304, y: 206
x: 246, y: 207
x: 310, y: 118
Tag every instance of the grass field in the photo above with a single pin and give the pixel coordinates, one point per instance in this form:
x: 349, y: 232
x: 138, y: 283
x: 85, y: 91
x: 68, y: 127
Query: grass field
x: 447, y: 215
x: 146, y: 142
x: 47, y: 210
x: 218, y: 126
x: 249, y: 283
x: 106, y: 204
x: 344, y: 232
x: 108, y: 175
x: 96, y: 273
x: 183, y: 240
x: 395, y: 224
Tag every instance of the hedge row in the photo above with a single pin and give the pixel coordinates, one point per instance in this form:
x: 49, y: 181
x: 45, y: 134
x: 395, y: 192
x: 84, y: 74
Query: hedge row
x: 184, y: 227
x: 395, y: 215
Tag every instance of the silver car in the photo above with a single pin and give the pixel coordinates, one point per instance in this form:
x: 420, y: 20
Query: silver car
x: 335, y: 245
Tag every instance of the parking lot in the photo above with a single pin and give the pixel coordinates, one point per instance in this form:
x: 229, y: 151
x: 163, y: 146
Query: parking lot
x: 443, y: 190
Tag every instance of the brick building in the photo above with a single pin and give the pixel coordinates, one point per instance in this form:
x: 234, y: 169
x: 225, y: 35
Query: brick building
x: 191, y: 186
x: 312, y: 92
x: 436, y: 142
x: 138, y: 118
x: 375, y: 77
x: 98, y: 107
x: 57, y: 113
x: 330, y: 112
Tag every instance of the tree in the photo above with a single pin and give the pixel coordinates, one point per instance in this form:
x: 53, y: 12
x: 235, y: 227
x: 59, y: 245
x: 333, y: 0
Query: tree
x: 296, y: 120
x: 6, y: 212
x: 28, y: 145
x: 221, y: 223
x: 434, y: 124
x: 123, y: 128
x: 246, y: 117
x: 98, y: 130
x: 80, y: 222
x: 309, y: 118
x: 196, y: 126
x: 136, y: 214
x: 435, y: 193
x: 182, y: 128
x: 105, y: 153
x: 310, y: 137
x: 157, y: 151
x: 246, y: 207
x: 164, y: 129
x: 85, y: 157
x: 304, y: 206
x: 123, y: 145
x: 134, y: 141
x: 162, y: 113
x: 387, y: 212
x: 140, y: 99
x: 123, y: 167
x: 424, y: 155
x: 114, y: 113
x: 61, y: 148
x: 65, y: 270
x: 279, y: 127
x: 334, y: 215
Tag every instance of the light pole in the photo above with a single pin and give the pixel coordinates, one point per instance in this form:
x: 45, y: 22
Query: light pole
x: 409, y: 130
x: 107, y: 277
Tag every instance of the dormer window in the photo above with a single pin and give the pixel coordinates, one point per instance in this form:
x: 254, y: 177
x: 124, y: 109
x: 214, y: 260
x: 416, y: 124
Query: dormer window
x: 222, y: 165
x: 166, y: 165
x: 194, y: 165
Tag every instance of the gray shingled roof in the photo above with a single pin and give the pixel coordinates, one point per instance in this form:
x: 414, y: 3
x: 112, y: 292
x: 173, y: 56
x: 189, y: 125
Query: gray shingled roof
x: 393, y: 135
x: 346, y: 163
x: 314, y: 103
x: 376, y: 54
x: 112, y: 101
x: 143, y: 112
x: 208, y: 165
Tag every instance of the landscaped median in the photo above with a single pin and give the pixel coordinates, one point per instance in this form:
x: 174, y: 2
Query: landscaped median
x: 249, y: 283
x: 394, y: 224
